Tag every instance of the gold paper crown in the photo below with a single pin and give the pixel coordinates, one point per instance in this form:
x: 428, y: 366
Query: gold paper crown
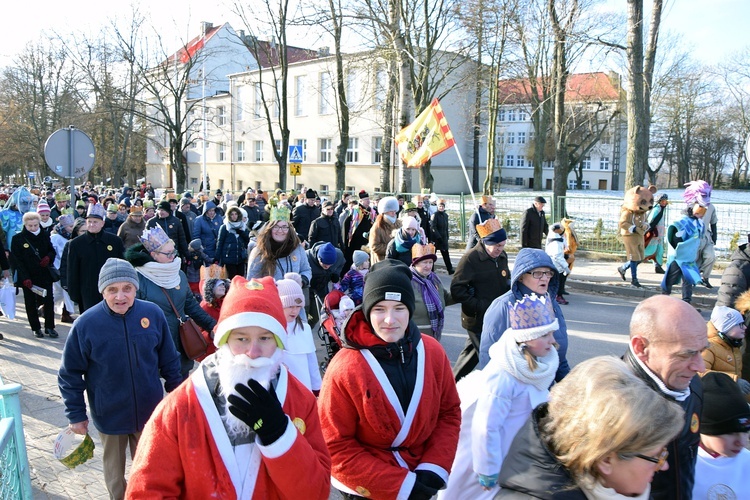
x: 488, y: 227
x: 419, y: 251
x: 280, y: 212
x: 153, y: 238
x: 61, y: 196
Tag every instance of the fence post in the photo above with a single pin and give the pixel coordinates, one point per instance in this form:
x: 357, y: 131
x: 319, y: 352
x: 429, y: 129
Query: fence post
x: 463, y: 218
x: 11, y: 407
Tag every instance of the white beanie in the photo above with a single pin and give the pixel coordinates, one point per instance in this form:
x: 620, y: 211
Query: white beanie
x: 290, y: 291
x: 725, y: 318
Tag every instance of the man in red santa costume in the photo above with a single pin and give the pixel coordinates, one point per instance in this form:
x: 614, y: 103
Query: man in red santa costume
x: 388, y: 405
x: 241, y: 426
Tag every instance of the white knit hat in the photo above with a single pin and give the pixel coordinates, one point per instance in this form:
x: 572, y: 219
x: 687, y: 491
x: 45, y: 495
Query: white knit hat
x: 725, y: 318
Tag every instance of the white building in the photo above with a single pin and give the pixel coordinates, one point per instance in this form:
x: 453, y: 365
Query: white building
x: 603, y: 167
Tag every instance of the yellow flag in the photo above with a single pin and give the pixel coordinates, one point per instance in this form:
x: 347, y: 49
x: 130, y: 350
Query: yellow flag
x: 425, y: 137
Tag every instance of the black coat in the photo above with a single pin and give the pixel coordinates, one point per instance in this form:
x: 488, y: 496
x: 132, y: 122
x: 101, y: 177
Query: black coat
x: 533, y: 228
x: 677, y: 481
x: 321, y: 277
x: 326, y: 229
x: 440, y: 229
x: 530, y: 469
x: 87, y: 254
x: 477, y: 282
x: 736, y: 278
x: 303, y: 217
x: 173, y: 227
x: 424, y: 222
x: 26, y: 261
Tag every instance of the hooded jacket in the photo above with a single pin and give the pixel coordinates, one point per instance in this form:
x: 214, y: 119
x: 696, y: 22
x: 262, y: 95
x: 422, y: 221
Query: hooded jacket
x: 531, y: 470
x: 208, y: 229
x: 496, y: 319
x: 736, y: 278
x: 231, y: 245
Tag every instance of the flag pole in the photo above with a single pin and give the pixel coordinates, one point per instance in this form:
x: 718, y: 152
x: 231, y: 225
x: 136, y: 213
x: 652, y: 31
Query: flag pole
x: 468, y: 182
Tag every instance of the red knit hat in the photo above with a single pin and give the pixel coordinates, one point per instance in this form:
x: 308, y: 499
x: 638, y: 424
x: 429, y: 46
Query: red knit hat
x: 251, y: 303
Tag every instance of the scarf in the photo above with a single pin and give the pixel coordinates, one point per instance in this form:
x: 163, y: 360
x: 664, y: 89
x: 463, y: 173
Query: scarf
x: 431, y: 296
x: 46, y: 224
x: 509, y: 356
x: 233, y: 226
x: 597, y: 491
x: 403, y: 245
x: 162, y: 275
x: 59, y: 229
x: 354, y: 223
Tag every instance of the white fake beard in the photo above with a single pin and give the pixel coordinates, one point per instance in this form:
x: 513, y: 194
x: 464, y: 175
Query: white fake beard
x: 233, y: 370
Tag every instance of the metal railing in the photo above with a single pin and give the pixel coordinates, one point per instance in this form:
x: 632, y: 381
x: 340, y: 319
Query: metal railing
x: 15, y: 478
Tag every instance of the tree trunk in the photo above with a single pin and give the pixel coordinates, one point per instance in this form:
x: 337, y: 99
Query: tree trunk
x: 492, y: 107
x: 387, y: 144
x: 635, y: 160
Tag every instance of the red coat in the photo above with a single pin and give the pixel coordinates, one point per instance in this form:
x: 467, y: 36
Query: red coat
x: 179, y: 456
x: 361, y: 423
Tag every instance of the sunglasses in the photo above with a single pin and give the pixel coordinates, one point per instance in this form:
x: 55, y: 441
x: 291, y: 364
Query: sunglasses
x: 659, y: 461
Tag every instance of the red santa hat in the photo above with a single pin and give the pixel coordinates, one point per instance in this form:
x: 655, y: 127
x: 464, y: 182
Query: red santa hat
x: 251, y: 303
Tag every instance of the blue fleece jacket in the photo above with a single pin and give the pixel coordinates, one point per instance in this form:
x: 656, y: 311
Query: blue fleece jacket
x: 496, y: 319
x: 118, y: 359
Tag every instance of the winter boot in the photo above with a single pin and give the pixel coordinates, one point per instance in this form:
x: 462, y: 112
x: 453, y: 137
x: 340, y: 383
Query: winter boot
x: 621, y: 270
x: 636, y: 283
x: 65, y: 317
x: 561, y: 300
x: 658, y: 269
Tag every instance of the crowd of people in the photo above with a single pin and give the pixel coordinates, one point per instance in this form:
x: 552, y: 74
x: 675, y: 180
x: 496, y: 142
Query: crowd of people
x: 390, y: 417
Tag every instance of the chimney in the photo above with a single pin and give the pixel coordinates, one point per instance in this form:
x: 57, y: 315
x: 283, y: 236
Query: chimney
x: 241, y: 34
x: 205, y: 26
x: 324, y: 52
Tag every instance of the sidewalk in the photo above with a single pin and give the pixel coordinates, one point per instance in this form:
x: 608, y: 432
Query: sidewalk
x: 34, y: 363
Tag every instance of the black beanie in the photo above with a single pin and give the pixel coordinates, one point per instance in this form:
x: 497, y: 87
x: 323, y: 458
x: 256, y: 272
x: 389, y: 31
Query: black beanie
x: 164, y: 205
x: 388, y: 279
x: 725, y: 410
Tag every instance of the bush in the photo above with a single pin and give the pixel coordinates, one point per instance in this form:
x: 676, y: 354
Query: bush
x: 733, y: 242
x: 599, y: 228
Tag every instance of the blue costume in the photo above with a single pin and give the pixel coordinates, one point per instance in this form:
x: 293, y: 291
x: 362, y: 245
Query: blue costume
x: 12, y: 219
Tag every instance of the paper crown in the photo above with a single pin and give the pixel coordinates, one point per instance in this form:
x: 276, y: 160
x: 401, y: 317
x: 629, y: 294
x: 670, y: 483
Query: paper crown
x: 66, y: 219
x: 96, y: 210
x: 148, y: 204
x: 61, y: 196
x: 421, y: 252
x: 153, y: 238
x: 280, y: 212
x: 488, y: 227
x: 532, y: 317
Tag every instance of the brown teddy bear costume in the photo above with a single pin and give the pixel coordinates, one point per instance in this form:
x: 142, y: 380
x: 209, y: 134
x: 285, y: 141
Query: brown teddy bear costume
x: 633, y: 226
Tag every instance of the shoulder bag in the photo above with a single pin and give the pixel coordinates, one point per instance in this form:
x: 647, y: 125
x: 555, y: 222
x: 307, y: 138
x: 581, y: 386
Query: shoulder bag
x: 53, y: 271
x: 193, y: 344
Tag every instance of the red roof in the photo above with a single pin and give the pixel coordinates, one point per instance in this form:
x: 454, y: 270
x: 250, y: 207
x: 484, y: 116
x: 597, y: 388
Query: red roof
x: 580, y: 87
x: 193, y: 46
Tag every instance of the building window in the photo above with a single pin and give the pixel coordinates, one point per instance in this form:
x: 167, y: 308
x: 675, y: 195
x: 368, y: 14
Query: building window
x: 531, y: 136
x: 522, y: 138
x: 352, y: 151
x: 352, y: 90
x: 222, y: 148
x: 302, y: 143
x: 501, y: 115
x: 326, y: 97
x: 257, y: 101
x: 239, y: 185
x: 193, y: 180
x: 239, y: 104
x: 606, y: 137
x: 239, y: 146
x: 573, y: 185
x: 511, y: 115
x: 586, y: 163
x: 377, y: 145
x: 277, y: 143
x: 522, y: 115
x: 221, y: 183
x: 501, y: 138
x: 300, y: 97
x: 325, y: 151
x: 520, y: 162
x: 604, y: 163
x: 258, y: 146
x: 509, y: 160
x: 518, y: 181
x: 511, y: 137
x: 221, y: 115
x: 381, y: 87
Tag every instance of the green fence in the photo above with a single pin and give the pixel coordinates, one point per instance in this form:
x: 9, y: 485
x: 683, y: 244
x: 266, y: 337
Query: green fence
x: 15, y: 478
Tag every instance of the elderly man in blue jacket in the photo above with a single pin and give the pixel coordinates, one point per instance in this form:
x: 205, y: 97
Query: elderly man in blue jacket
x: 116, y: 352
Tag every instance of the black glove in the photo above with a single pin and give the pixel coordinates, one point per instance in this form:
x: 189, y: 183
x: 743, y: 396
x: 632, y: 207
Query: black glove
x: 260, y: 410
x: 305, y: 281
x: 334, y: 278
x: 429, y: 478
x: 422, y: 492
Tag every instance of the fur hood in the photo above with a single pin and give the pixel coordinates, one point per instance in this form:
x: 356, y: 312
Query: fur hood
x: 208, y: 289
x: 137, y: 255
x: 742, y: 304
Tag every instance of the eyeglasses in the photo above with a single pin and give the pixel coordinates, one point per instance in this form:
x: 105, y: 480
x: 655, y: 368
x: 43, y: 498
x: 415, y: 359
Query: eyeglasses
x: 171, y: 254
x: 659, y: 461
x: 281, y: 229
x: 538, y: 274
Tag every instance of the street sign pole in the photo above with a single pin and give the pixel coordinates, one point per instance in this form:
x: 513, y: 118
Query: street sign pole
x: 71, y: 147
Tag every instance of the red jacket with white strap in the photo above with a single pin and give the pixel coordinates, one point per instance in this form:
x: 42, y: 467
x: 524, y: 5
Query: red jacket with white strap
x: 183, y: 453
x: 375, y: 447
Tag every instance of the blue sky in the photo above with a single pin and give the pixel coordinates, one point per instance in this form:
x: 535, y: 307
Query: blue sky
x: 714, y: 28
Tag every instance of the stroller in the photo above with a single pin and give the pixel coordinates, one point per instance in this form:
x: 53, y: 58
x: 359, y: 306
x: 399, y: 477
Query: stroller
x: 328, y: 331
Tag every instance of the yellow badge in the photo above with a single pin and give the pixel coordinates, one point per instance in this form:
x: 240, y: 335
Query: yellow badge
x: 694, y: 423
x: 254, y: 285
x: 109, y: 248
x: 26, y: 245
x: 363, y: 491
x: 171, y: 226
x: 294, y: 258
x: 145, y: 322
x: 504, y: 273
x: 177, y: 287
x: 300, y: 425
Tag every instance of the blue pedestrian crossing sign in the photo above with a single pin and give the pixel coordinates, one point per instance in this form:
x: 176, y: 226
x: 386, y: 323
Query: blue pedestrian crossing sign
x: 295, y: 154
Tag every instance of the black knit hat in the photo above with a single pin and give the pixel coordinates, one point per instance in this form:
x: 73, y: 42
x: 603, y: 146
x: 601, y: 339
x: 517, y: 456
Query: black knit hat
x: 164, y: 205
x: 725, y: 410
x: 388, y: 279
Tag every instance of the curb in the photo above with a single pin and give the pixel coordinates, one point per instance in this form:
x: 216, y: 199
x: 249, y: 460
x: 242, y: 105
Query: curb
x: 698, y: 301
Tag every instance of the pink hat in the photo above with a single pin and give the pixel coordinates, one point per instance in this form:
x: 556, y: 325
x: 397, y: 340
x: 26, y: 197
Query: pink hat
x: 42, y: 208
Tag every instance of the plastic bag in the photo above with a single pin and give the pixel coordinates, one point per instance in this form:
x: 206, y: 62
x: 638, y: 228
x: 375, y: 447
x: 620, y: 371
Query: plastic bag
x: 8, y: 299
